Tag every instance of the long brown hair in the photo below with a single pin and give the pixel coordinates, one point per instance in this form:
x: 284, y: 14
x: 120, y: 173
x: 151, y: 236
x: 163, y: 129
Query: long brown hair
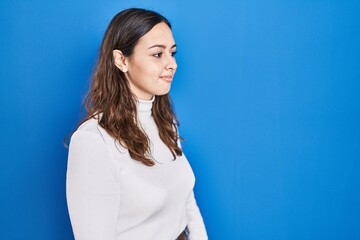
x: 111, y: 96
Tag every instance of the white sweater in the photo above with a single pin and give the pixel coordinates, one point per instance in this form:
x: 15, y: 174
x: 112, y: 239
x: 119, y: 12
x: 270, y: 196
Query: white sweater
x: 113, y: 197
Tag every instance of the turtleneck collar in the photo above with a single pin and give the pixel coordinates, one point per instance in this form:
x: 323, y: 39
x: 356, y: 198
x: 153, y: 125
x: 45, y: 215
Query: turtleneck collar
x: 144, y: 109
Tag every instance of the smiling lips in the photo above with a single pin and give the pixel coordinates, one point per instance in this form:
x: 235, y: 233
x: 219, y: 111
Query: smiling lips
x: 167, y: 78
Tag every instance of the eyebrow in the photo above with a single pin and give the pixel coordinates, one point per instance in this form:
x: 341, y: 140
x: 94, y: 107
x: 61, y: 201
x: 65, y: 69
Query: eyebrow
x: 161, y: 46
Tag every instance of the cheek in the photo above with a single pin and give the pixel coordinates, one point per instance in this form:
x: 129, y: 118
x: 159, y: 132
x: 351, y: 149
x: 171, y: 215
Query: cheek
x: 149, y: 71
x: 145, y: 67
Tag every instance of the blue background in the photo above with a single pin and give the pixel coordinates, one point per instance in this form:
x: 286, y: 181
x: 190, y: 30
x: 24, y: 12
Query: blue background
x: 267, y: 93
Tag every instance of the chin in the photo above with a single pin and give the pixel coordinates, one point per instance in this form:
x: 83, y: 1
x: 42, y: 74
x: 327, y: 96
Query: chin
x: 164, y: 92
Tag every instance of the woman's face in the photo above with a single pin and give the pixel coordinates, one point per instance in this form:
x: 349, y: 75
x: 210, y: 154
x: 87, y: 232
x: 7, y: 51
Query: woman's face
x: 151, y: 67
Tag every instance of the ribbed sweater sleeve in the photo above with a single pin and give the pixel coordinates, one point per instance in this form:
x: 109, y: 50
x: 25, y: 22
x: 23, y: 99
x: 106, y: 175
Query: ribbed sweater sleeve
x: 196, y: 224
x: 93, y: 193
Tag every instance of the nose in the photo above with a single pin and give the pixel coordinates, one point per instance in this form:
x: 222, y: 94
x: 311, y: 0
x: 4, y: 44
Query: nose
x: 171, y: 63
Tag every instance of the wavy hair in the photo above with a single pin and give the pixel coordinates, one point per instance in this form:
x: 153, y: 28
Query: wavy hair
x: 110, y: 94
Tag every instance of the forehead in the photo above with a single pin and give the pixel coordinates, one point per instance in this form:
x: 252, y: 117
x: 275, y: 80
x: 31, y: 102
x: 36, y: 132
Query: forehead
x: 159, y: 34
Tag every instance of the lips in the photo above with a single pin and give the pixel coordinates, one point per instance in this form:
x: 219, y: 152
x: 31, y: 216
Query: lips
x: 167, y: 78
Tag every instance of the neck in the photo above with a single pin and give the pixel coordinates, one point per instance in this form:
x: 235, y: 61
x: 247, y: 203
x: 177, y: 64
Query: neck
x: 144, y: 109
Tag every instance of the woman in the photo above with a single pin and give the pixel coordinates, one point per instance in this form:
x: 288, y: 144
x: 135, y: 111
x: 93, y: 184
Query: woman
x: 127, y: 177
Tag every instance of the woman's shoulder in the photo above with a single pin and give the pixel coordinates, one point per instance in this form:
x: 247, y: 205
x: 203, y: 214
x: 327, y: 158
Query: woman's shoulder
x: 91, y: 129
x: 90, y: 144
x: 89, y: 126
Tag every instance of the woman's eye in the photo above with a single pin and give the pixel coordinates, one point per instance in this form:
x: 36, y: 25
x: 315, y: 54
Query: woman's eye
x: 157, y: 55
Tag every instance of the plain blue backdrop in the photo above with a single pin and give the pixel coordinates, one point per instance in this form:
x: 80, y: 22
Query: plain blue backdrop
x: 267, y: 93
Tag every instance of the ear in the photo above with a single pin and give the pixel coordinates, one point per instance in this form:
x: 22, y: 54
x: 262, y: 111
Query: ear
x: 120, y: 60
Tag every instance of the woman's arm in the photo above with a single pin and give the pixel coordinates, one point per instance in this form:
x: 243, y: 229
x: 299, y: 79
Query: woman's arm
x: 196, y: 224
x: 92, y: 188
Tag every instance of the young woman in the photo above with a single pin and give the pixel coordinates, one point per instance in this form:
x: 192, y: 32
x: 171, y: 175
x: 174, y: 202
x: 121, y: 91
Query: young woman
x: 127, y: 177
